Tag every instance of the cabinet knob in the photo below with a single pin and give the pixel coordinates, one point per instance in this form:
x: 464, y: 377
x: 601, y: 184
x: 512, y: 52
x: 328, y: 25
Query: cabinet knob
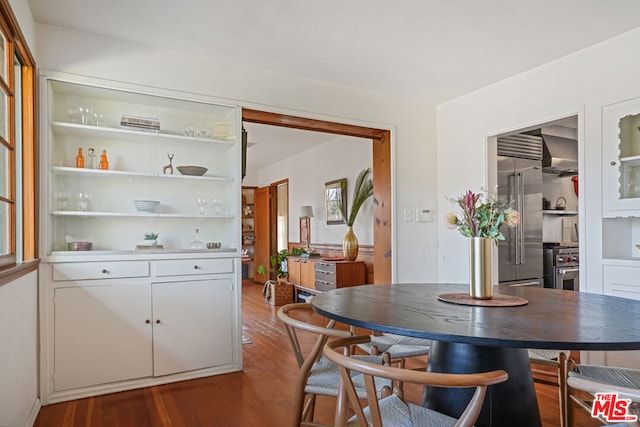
x: 147, y: 321
x: 105, y: 271
x: 158, y: 321
x: 195, y: 267
x: 613, y: 163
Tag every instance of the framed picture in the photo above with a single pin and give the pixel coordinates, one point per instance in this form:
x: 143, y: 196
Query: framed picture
x: 335, y: 196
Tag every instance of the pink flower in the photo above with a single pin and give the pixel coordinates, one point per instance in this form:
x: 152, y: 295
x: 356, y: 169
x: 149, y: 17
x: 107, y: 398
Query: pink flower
x: 512, y: 218
x: 451, y: 220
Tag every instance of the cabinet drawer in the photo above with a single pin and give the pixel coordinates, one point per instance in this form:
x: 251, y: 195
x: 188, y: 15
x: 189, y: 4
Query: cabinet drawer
x: 100, y: 270
x: 326, y: 276
x: 188, y: 267
x: 322, y: 286
x: 325, y: 267
x: 622, y: 281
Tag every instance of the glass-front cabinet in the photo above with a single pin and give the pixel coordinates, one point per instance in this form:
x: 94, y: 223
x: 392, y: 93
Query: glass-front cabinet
x: 121, y: 164
x: 621, y: 156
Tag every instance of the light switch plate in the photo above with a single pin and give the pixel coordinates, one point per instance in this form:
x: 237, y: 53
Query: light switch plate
x: 408, y: 217
x: 423, y: 215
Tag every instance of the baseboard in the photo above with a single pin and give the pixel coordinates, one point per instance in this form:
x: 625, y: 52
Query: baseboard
x: 33, y: 414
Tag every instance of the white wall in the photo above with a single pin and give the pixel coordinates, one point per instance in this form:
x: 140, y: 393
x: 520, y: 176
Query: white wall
x: 19, y: 351
x: 19, y: 401
x: 414, y: 169
x: 581, y: 84
x: 342, y: 157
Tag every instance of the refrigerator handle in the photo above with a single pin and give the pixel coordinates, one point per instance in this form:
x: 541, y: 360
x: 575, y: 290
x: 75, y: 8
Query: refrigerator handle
x: 516, y: 198
x: 522, y: 217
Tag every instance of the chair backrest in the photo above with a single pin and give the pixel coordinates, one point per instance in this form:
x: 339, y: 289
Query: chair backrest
x: 293, y: 324
x: 369, y: 370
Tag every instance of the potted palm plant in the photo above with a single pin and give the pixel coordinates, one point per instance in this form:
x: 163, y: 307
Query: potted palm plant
x: 362, y: 190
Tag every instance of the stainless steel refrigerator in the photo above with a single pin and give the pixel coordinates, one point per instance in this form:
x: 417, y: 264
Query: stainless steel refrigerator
x: 520, y: 184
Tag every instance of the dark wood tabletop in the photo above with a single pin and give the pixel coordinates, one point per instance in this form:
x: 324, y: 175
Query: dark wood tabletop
x: 469, y: 339
x: 552, y: 319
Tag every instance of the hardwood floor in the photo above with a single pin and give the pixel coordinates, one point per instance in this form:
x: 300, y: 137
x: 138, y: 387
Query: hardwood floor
x: 259, y: 396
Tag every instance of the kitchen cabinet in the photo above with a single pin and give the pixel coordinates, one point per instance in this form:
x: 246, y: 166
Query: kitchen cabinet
x: 621, y: 280
x: 192, y: 325
x: 102, y: 334
x: 148, y: 138
x: 181, y: 320
x: 128, y: 314
x: 621, y: 157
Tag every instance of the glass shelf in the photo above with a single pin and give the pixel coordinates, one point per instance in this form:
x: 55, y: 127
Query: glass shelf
x: 88, y: 131
x: 69, y: 171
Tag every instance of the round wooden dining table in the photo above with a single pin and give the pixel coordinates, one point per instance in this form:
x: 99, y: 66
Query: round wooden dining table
x: 468, y: 338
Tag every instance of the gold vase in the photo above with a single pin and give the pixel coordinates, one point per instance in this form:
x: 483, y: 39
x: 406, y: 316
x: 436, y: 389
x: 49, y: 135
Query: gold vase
x: 350, y: 245
x: 480, y: 268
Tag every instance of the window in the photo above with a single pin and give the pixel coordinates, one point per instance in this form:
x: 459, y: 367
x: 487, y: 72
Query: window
x: 17, y: 143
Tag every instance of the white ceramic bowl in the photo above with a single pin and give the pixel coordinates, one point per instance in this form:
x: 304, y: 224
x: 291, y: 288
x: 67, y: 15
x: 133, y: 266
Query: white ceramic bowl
x: 150, y: 206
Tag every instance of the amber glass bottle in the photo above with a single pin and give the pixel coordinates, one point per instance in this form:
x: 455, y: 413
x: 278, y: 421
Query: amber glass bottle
x: 104, y: 162
x: 79, y: 159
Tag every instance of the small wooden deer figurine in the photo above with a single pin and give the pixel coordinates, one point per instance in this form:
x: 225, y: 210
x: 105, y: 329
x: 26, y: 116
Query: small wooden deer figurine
x: 169, y: 166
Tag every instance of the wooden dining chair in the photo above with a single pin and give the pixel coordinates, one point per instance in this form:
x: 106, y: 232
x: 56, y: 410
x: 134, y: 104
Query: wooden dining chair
x: 317, y: 374
x: 584, y: 381
x: 392, y: 409
x: 541, y: 361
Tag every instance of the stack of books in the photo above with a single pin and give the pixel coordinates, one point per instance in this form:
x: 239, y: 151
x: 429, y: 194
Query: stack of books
x: 140, y: 123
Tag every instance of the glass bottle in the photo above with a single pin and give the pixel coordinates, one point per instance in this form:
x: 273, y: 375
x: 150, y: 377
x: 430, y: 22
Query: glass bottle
x: 104, y: 162
x: 91, y: 162
x: 196, y: 243
x: 80, y: 159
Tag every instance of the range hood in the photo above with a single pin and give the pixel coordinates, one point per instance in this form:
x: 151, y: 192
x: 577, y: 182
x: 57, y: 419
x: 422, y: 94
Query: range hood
x: 559, y: 155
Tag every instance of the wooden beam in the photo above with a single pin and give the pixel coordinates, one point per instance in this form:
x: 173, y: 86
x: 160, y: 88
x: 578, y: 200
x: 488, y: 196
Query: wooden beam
x: 275, y: 119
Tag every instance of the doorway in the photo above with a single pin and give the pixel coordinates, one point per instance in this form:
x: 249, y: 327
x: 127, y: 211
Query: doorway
x: 381, y: 165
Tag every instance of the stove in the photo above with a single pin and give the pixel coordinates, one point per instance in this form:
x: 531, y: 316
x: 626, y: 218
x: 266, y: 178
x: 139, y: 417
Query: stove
x: 561, y: 265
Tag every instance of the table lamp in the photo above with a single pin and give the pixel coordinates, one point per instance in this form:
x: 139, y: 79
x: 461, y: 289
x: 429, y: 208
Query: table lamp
x: 306, y: 212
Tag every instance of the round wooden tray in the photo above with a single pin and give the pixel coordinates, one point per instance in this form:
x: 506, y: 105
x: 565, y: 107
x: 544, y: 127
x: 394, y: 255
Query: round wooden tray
x: 496, y: 301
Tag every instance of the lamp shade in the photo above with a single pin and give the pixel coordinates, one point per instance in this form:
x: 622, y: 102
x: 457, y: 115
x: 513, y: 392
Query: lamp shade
x: 306, y: 212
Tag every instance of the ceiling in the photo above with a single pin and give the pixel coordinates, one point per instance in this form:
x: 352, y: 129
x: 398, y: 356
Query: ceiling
x: 270, y: 144
x: 429, y: 50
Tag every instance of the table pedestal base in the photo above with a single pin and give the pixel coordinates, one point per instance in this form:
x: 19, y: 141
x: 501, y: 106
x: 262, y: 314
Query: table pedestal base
x: 511, y: 403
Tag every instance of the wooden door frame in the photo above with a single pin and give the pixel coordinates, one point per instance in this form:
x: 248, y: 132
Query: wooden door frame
x: 382, y: 202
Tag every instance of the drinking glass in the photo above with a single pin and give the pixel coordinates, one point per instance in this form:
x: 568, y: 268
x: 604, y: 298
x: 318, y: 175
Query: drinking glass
x: 83, y: 201
x: 202, y: 203
x: 62, y: 198
x: 218, y: 206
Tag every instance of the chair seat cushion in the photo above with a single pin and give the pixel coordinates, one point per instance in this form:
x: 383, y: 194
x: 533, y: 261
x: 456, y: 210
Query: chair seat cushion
x: 396, y: 413
x: 324, y: 378
x: 541, y: 354
x: 595, y: 379
x: 397, y: 346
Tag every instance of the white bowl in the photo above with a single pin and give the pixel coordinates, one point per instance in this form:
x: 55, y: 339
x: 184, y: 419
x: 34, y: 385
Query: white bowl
x: 150, y: 206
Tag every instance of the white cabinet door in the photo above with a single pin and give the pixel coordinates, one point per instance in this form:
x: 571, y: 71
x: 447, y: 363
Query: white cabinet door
x: 102, y: 334
x: 621, y: 157
x: 192, y: 325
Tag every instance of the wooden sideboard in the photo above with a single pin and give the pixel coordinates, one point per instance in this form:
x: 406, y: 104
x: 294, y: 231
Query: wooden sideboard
x: 312, y: 275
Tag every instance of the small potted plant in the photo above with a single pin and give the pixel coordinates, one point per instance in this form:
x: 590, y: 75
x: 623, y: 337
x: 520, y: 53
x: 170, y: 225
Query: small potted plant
x: 279, y: 292
x: 151, y: 239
